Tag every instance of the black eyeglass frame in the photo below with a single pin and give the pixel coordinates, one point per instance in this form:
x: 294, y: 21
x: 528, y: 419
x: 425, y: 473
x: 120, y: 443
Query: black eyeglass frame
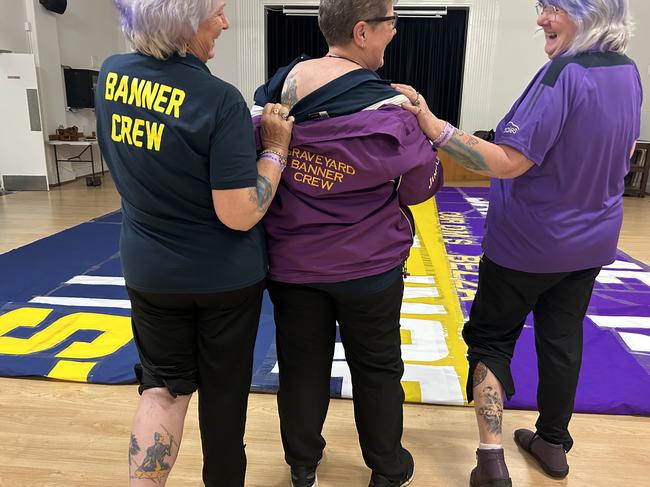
x: 393, y: 17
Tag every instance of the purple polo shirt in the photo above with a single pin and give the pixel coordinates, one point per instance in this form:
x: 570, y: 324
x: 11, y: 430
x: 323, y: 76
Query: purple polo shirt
x: 577, y: 122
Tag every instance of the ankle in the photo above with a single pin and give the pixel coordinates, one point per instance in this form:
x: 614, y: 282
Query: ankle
x: 490, y: 446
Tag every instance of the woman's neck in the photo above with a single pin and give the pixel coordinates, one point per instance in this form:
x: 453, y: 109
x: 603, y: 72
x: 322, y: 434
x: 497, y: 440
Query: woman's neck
x: 354, y: 58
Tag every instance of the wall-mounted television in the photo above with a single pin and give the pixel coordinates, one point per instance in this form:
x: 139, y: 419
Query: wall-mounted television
x: 80, y: 86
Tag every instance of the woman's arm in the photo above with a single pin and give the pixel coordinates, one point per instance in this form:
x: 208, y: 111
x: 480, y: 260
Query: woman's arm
x: 242, y: 208
x: 480, y: 156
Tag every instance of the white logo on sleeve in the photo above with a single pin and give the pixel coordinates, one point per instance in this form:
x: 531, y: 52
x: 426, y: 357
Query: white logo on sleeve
x: 511, y: 128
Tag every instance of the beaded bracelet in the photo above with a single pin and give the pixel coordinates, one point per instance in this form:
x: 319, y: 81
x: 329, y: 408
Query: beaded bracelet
x: 274, y: 156
x: 445, y: 136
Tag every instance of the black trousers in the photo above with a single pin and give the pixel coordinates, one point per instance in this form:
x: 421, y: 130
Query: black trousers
x: 204, y: 341
x: 559, y: 303
x: 305, y: 320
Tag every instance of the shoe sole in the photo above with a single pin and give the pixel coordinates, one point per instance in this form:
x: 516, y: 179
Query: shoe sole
x: 556, y: 474
x: 409, y: 480
x: 494, y: 483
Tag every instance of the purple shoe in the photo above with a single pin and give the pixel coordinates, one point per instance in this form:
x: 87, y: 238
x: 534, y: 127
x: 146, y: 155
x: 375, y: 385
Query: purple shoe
x: 551, y: 457
x: 491, y: 470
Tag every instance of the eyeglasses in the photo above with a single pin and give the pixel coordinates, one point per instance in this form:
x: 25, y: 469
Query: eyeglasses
x: 393, y: 19
x: 547, y: 11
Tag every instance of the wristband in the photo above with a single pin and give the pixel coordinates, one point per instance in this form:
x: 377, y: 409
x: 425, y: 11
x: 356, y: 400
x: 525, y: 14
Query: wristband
x: 274, y: 156
x: 445, y: 136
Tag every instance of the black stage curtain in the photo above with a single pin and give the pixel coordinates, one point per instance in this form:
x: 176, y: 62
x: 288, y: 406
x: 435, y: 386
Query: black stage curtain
x: 288, y: 36
x: 428, y: 54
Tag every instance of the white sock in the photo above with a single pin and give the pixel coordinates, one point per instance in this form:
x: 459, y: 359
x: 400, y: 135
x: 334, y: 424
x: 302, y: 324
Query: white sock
x: 489, y: 446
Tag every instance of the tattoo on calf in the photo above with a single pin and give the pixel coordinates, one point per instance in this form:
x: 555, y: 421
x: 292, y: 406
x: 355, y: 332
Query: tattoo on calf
x: 491, y: 411
x: 154, y: 467
x: 480, y: 373
x: 134, y: 448
x: 289, y: 95
x: 261, y: 195
x: 464, y: 153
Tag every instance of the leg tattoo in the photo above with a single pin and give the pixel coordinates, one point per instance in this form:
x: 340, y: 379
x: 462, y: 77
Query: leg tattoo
x: 154, y: 466
x: 134, y: 448
x: 491, y: 410
x: 480, y: 373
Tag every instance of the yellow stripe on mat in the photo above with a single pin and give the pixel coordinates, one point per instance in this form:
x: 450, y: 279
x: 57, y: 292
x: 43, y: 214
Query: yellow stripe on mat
x: 432, y: 346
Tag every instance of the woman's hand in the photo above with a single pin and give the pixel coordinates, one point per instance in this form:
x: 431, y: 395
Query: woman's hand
x: 431, y: 125
x: 477, y: 155
x: 276, y: 127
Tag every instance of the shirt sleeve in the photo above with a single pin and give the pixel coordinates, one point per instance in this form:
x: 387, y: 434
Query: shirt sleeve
x: 637, y: 128
x: 407, y: 154
x: 535, y: 122
x: 421, y: 183
x: 233, y: 159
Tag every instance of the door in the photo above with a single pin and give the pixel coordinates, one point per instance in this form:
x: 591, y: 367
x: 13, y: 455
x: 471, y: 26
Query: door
x: 22, y: 149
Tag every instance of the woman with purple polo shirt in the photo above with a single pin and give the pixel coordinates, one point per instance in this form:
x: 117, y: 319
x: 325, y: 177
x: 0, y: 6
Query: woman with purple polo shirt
x: 559, y: 159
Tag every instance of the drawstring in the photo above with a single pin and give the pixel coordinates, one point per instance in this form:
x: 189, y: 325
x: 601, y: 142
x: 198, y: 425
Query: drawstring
x: 405, y: 273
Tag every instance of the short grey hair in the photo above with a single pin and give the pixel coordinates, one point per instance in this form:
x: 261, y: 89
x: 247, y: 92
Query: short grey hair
x: 603, y: 24
x: 337, y: 18
x: 162, y: 28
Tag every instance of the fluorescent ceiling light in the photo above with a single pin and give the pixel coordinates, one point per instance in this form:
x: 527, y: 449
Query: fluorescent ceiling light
x: 427, y: 12
x: 306, y: 11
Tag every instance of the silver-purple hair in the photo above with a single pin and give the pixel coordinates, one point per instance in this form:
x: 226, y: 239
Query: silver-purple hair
x: 161, y: 28
x: 602, y: 24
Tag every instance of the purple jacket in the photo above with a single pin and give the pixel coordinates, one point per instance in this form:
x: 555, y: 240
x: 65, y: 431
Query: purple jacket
x: 341, y: 212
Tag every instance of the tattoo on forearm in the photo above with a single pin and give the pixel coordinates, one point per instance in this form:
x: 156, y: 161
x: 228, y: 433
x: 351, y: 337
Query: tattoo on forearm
x: 491, y: 411
x: 464, y: 153
x: 472, y: 141
x: 289, y: 95
x: 154, y: 466
x: 480, y: 373
x: 262, y: 194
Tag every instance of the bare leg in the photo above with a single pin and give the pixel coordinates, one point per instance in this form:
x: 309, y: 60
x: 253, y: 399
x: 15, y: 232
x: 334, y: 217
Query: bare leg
x: 488, y: 404
x: 156, y: 437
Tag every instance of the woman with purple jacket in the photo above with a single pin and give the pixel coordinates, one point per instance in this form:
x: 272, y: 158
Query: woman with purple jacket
x: 558, y: 163
x: 339, y: 232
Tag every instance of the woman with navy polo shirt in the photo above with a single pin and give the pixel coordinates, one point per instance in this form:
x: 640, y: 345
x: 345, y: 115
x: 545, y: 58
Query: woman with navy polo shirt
x: 559, y: 159
x: 180, y: 146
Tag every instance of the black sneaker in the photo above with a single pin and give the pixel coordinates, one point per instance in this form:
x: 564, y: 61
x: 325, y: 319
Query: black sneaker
x: 378, y: 480
x: 303, y: 477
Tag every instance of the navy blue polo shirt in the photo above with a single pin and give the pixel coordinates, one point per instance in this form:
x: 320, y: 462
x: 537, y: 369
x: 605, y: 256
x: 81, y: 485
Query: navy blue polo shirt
x: 171, y: 132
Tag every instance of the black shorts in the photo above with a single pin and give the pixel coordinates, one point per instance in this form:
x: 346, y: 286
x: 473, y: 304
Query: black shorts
x: 176, y: 335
